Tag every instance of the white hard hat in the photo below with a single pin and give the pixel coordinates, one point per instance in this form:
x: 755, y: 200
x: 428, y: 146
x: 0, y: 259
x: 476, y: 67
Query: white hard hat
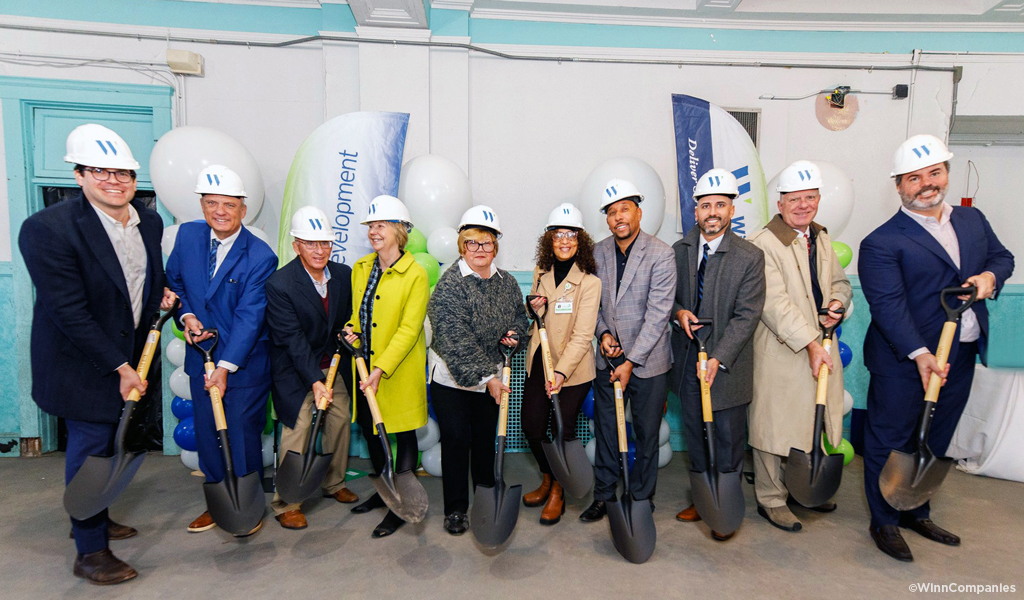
x: 918, y: 152
x: 716, y: 182
x: 480, y: 216
x: 220, y: 180
x: 565, y: 215
x: 388, y: 208
x: 93, y: 145
x: 619, y: 189
x: 801, y: 175
x: 310, y: 223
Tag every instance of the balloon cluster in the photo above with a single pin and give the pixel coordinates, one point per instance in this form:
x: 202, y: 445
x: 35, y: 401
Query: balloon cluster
x: 428, y: 439
x: 664, y: 433
x: 846, y: 354
x: 834, y: 208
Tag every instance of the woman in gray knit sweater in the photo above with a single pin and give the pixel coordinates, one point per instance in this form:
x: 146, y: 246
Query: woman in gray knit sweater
x: 474, y: 307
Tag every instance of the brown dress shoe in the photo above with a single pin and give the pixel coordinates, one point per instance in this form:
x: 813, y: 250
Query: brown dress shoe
x: 251, y: 531
x: 555, y: 507
x: 115, y: 532
x: 688, y: 514
x: 344, y: 495
x: 721, y: 538
x: 293, y: 519
x: 540, y: 495
x: 203, y: 523
x: 103, y: 568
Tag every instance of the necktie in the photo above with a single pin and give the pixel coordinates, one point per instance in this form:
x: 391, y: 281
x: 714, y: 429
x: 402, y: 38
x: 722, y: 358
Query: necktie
x: 214, y: 244
x: 812, y: 257
x: 700, y: 278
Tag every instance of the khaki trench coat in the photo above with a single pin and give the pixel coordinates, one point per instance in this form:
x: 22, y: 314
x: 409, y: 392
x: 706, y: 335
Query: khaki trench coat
x: 570, y: 335
x: 781, y: 415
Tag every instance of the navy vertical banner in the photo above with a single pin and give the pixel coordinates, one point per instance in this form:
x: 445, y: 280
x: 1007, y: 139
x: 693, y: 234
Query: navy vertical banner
x: 694, y: 151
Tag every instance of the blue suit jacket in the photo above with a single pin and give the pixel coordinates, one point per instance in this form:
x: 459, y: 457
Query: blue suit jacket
x: 903, y: 268
x: 82, y: 324
x: 234, y: 301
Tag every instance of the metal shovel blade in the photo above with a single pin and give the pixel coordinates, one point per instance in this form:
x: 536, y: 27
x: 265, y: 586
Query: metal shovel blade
x: 403, y: 493
x: 494, y: 513
x: 909, y: 480
x: 570, y: 466
x: 99, y: 482
x: 719, y: 499
x: 633, y: 532
x: 813, y: 479
x: 299, y: 475
x: 236, y: 504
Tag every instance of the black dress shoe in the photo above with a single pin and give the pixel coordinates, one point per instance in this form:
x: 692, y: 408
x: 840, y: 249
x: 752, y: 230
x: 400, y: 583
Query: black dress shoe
x: 103, y: 568
x: 595, y: 512
x: 389, y: 525
x: 456, y: 523
x: 373, y: 503
x: 889, y: 540
x: 115, y: 532
x: 930, y: 530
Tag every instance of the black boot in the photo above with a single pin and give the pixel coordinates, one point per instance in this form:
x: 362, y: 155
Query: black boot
x: 595, y: 512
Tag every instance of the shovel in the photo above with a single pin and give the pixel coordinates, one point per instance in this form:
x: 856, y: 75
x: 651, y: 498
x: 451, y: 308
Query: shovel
x: 402, y: 492
x: 632, y: 523
x: 496, y: 509
x: 100, y: 480
x: 299, y: 475
x: 568, y: 459
x: 814, y: 478
x: 236, y: 503
x: 909, y: 480
x: 718, y: 496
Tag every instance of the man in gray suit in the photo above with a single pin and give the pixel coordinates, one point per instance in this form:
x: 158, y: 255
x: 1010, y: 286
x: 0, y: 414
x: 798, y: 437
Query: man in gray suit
x: 721, y: 277
x: 638, y: 280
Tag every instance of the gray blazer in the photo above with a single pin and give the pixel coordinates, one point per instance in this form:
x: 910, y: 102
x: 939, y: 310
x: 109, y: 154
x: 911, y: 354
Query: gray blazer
x: 637, y: 315
x: 733, y: 298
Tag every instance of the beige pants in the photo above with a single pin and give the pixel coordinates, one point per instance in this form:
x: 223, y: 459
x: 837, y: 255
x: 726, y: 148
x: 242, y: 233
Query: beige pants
x: 769, y: 488
x: 336, y: 431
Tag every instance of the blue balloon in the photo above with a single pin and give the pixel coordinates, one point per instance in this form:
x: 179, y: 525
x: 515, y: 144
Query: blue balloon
x: 839, y: 331
x: 181, y: 407
x: 845, y: 353
x: 185, y: 434
x: 629, y: 430
x: 588, y: 404
x: 631, y: 454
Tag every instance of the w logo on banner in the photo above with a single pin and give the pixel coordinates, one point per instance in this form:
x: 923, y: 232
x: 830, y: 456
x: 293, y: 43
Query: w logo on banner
x: 611, y: 192
x: 109, y: 144
x: 316, y: 224
x: 213, y: 179
x: 488, y: 216
x: 921, y: 149
x: 805, y: 175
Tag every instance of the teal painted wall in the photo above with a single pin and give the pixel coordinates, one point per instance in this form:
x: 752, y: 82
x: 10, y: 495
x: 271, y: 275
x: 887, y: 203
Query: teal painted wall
x: 10, y: 413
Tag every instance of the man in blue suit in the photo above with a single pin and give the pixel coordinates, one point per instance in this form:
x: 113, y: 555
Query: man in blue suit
x: 219, y: 269
x: 95, y: 262
x: 904, y: 264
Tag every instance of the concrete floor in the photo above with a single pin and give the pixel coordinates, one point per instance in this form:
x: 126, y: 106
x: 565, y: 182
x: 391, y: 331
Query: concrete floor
x: 832, y: 558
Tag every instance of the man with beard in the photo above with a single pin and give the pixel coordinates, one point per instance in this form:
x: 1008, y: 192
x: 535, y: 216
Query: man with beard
x: 719, y: 276
x: 904, y: 264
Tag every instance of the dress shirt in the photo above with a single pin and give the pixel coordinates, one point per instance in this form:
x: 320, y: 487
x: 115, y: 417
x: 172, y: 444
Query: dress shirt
x: 222, y: 252
x: 321, y: 286
x: 712, y: 247
x: 131, y: 254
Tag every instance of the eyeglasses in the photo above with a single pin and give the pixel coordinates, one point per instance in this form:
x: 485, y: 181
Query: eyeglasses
x: 565, y: 235
x: 473, y: 246
x: 315, y: 245
x: 104, y: 174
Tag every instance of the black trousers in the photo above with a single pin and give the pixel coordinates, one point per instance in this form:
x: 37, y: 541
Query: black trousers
x: 86, y: 439
x: 408, y: 451
x: 537, y: 412
x: 730, y: 425
x: 468, y: 423
x: 647, y: 398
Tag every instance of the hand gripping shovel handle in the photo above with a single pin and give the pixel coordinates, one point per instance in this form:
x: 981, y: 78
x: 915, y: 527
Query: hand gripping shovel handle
x: 152, y: 343
x: 364, y: 374
x: 620, y: 419
x: 215, y: 400
x: 545, y: 347
x: 946, y: 338
x: 332, y: 372
x: 506, y: 377
x: 702, y: 371
x: 826, y: 343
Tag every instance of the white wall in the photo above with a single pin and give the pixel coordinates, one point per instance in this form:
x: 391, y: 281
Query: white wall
x: 528, y: 133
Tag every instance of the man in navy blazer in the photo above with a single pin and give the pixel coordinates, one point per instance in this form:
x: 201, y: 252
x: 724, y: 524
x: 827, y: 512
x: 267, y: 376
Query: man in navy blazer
x: 219, y: 269
x: 904, y: 264
x: 95, y: 262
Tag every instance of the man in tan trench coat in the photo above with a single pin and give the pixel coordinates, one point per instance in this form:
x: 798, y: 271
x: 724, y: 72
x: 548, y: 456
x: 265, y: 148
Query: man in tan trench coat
x: 802, y: 273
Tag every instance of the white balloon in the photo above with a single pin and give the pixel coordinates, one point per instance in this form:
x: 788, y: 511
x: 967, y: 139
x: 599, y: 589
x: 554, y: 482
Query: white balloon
x: 176, y: 352
x: 190, y: 459
x: 634, y: 170
x: 664, y: 432
x: 590, y: 426
x: 591, y: 450
x: 629, y: 412
x: 664, y: 455
x: 179, y: 383
x: 847, y: 402
x: 268, y: 449
x: 168, y: 239
x: 431, y: 460
x: 428, y: 435
x: 443, y: 244
x: 263, y: 236
x: 181, y: 153
x: 435, y: 190
x: 849, y: 311
x: 836, y: 204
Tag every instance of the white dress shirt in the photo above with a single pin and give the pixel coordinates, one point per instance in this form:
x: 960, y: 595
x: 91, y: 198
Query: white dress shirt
x: 712, y: 247
x: 321, y: 286
x: 222, y: 252
x: 131, y: 253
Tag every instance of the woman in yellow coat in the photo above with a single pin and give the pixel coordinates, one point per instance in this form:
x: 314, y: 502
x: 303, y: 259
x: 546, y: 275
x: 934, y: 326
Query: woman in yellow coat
x: 390, y: 291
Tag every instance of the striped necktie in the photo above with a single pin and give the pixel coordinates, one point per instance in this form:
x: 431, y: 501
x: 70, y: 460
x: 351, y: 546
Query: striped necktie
x: 214, y: 244
x: 700, y: 278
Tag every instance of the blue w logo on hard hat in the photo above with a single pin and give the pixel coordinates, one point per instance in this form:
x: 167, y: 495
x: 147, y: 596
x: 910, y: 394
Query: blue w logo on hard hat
x: 373, y: 208
x: 805, y: 175
x: 921, y: 149
x: 109, y: 144
x: 566, y: 211
x: 611, y: 191
x: 316, y: 224
x: 212, y: 179
x: 488, y: 216
x: 715, y: 180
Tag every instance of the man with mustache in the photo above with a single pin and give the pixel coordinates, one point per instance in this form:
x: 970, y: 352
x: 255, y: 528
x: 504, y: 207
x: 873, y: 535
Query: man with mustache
x: 926, y: 246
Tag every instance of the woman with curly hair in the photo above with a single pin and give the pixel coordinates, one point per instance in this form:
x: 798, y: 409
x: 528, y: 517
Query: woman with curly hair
x: 571, y: 294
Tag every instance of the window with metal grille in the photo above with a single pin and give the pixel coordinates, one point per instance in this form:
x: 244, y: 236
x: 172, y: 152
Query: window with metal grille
x: 751, y: 121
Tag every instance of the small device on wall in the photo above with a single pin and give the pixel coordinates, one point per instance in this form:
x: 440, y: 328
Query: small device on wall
x: 183, y: 62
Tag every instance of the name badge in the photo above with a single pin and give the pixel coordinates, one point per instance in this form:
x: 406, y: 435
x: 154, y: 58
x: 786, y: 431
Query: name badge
x: 563, y: 307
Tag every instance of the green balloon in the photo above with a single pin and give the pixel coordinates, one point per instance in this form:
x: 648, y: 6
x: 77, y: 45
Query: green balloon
x: 429, y: 263
x: 844, y: 252
x: 417, y: 242
x: 177, y: 332
x: 846, y: 449
x: 432, y: 289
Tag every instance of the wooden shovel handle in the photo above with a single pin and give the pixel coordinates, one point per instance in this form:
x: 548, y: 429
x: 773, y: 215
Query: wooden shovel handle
x: 332, y: 372
x: 152, y: 340
x: 705, y: 389
x: 371, y: 398
x: 506, y: 377
x: 941, y: 357
x: 620, y: 418
x: 822, y: 391
x: 545, y: 349
x: 216, y: 401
